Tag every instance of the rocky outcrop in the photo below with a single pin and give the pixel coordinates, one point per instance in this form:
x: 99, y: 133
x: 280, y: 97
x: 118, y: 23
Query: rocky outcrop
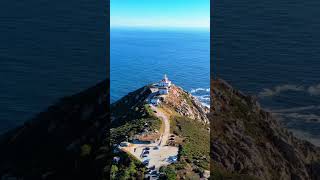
x: 186, y: 105
x: 247, y: 140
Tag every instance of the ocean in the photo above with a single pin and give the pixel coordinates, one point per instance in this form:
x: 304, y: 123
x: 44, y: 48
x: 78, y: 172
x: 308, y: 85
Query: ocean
x: 142, y: 56
x: 48, y: 50
x: 270, y: 49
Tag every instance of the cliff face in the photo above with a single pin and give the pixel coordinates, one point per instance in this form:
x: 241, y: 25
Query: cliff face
x: 68, y: 140
x: 186, y: 105
x: 247, y: 141
x: 131, y: 106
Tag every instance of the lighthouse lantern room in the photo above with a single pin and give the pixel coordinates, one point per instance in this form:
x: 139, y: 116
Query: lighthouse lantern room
x: 165, y: 82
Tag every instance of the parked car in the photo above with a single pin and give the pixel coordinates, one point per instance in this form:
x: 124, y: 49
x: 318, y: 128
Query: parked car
x: 146, y: 148
x: 156, y: 148
x: 172, y: 159
x: 144, y: 155
x: 152, y: 167
x: 146, y: 152
x: 146, y: 162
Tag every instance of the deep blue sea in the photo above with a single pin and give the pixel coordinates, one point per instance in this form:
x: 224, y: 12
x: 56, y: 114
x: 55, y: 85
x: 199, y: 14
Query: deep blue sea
x: 142, y: 56
x: 48, y: 50
x: 271, y: 49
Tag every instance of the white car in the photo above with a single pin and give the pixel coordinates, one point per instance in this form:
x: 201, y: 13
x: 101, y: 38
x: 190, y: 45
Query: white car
x: 172, y: 159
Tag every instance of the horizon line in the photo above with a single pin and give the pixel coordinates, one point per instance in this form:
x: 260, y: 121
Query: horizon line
x: 160, y: 27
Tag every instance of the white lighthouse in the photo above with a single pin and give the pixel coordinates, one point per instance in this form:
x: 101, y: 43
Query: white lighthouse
x: 165, y: 82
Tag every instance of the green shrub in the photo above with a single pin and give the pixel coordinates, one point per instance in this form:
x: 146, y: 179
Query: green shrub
x: 169, y: 173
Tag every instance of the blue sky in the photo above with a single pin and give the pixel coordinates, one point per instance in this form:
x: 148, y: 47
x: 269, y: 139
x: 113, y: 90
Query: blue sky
x: 160, y: 13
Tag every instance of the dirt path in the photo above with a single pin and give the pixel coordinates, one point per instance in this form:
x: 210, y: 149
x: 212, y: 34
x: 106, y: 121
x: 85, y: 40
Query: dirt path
x: 165, y: 119
x: 160, y: 156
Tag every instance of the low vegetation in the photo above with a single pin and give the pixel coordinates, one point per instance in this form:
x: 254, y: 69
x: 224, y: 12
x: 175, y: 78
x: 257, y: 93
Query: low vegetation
x: 129, y: 129
x: 220, y: 174
x: 131, y: 115
x: 195, y: 148
x: 127, y: 168
x: 130, y: 118
x: 169, y: 173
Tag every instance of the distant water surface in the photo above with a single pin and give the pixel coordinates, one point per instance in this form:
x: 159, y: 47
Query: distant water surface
x: 271, y: 49
x: 48, y: 50
x: 142, y: 56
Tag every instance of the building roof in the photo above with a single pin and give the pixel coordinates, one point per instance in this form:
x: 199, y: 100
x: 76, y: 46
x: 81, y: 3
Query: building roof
x: 149, y: 137
x: 163, y: 87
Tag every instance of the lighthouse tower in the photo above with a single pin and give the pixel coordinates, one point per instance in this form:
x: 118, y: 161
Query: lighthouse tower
x: 165, y: 82
x: 164, y: 85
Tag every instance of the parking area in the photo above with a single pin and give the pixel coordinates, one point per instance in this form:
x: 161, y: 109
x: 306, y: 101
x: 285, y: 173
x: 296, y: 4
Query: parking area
x: 156, y: 156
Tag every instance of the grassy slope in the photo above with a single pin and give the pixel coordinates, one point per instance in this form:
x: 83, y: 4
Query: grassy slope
x: 131, y: 115
x: 194, y: 151
x: 127, y: 168
x: 195, y: 148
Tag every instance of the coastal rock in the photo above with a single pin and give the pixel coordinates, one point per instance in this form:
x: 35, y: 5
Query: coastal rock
x: 248, y: 141
x: 186, y: 105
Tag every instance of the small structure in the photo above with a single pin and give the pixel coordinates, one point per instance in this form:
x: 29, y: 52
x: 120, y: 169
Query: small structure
x: 165, y: 82
x: 163, y: 90
x: 124, y: 144
x: 146, y: 138
x: 155, y: 101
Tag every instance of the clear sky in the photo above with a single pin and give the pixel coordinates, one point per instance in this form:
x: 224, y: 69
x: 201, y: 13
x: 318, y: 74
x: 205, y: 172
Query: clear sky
x: 160, y: 13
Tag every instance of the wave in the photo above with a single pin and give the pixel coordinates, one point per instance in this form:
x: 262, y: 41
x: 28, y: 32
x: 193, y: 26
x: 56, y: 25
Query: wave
x: 298, y: 121
x: 200, y: 90
x: 304, y: 117
x: 203, y: 95
x: 307, y: 136
x: 296, y: 109
x: 203, y: 98
x: 279, y: 89
x: 313, y: 90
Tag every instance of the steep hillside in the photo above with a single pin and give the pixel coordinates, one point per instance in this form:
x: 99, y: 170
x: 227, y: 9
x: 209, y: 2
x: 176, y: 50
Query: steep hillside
x: 186, y: 105
x: 67, y: 141
x: 248, y: 143
x: 188, y: 123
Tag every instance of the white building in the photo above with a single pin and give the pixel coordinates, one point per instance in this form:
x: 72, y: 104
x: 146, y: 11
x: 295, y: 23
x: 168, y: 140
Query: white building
x: 163, y: 90
x: 155, y: 101
x: 165, y: 82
